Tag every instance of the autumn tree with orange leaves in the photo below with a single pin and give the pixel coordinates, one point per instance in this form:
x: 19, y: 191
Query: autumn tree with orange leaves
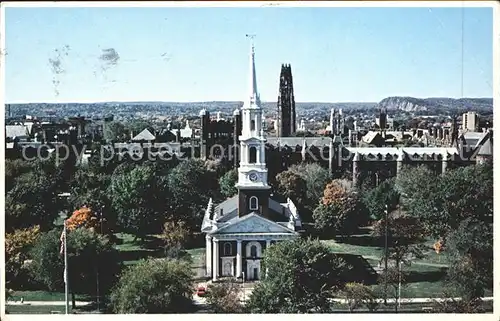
x: 340, y: 211
x: 83, y: 217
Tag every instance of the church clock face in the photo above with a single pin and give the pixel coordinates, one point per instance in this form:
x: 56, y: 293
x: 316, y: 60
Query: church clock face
x: 253, y: 177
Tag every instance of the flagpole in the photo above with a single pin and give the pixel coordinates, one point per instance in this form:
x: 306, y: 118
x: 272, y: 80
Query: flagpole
x: 66, y: 287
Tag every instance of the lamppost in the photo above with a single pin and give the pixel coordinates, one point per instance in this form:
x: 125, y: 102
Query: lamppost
x: 386, y: 212
x: 244, y: 297
x: 97, y: 267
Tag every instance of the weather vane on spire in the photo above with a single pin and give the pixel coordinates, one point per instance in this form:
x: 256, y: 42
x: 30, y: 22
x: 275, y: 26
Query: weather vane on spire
x: 251, y: 36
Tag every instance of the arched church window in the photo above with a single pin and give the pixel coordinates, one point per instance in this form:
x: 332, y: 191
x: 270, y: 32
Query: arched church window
x: 253, y: 251
x: 254, y: 203
x: 252, y: 125
x: 253, y: 155
x: 227, y: 248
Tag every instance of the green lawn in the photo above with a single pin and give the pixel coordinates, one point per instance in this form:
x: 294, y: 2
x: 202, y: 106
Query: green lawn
x: 44, y: 309
x: 134, y: 251
x: 365, y: 251
x: 44, y: 296
x: 198, y: 255
x: 425, y: 277
x: 35, y: 309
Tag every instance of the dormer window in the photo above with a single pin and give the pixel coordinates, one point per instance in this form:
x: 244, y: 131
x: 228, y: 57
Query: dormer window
x: 254, y: 203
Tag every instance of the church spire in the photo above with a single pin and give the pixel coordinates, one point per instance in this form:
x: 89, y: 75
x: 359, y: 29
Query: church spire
x: 253, y: 99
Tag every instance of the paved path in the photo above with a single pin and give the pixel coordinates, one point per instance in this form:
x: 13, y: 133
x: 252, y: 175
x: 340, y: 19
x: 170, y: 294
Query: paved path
x: 376, y: 258
x: 62, y: 303
x: 202, y: 301
x: 413, y: 300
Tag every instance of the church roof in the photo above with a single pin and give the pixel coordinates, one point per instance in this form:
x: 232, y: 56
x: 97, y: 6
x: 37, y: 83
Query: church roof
x: 226, y: 213
x: 486, y: 149
x: 144, y: 135
x: 395, y: 151
x: 484, y: 146
x: 252, y: 223
x: 299, y: 141
x: 370, y: 137
x: 472, y: 138
x: 15, y: 131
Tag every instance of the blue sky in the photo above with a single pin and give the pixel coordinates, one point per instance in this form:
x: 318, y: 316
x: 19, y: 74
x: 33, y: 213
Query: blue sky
x: 201, y: 54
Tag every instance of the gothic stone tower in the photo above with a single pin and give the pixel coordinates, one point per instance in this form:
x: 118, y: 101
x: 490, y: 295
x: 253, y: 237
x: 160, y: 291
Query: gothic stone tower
x: 253, y: 190
x: 286, y: 104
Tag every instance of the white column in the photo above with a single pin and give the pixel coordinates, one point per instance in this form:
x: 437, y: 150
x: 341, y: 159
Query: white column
x: 208, y: 255
x: 238, y: 259
x: 215, y: 265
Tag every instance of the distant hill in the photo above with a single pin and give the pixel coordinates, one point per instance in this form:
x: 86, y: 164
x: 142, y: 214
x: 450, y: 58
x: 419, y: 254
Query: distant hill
x: 304, y: 109
x: 437, y: 105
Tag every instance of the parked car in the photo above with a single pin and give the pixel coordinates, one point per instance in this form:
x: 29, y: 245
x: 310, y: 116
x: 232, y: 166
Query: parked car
x: 201, y: 291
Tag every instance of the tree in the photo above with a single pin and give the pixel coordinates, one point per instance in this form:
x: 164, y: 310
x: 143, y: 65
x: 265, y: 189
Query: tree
x: 17, y: 247
x: 224, y: 297
x: 154, y: 286
x: 292, y: 186
x: 404, y: 237
x: 442, y: 202
x: 139, y: 199
x: 336, y: 191
x: 451, y: 304
x: 115, y: 131
x: 457, y: 208
x: 14, y: 169
x: 395, y: 280
x: 102, y: 159
x: 189, y: 197
x: 227, y: 183
x: 470, y: 249
x: 341, y: 210
x: 136, y: 126
x: 82, y: 217
x: 31, y: 201
x: 358, y: 295
x: 377, y: 198
x: 174, y: 236
x: 316, y: 178
x: 301, y: 277
x: 90, y: 255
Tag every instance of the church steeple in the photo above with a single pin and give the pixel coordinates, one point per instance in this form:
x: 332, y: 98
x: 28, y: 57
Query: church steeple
x: 252, y: 184
x: 253, y: 99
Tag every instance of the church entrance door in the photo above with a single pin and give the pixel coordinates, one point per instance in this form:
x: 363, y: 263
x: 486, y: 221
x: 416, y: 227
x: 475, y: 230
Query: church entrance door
x: 227, y: 266
x: 253, y: 269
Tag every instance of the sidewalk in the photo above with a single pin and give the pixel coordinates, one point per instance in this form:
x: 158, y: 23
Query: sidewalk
x: 49, y: 303
x: 413, y: 300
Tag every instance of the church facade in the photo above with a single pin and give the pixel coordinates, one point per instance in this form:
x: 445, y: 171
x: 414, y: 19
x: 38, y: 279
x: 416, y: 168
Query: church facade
x: 240, y: 229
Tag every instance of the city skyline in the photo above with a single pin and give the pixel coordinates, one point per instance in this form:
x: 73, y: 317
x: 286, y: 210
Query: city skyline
x: 201, y: 54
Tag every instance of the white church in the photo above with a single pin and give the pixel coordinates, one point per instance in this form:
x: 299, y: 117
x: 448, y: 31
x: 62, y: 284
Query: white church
x: 240, y: 229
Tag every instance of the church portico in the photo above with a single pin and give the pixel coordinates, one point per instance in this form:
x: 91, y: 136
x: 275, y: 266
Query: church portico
x: 238, y: 253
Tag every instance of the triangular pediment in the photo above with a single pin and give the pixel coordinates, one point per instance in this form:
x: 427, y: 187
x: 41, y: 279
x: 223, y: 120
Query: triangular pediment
x: 254, y: 223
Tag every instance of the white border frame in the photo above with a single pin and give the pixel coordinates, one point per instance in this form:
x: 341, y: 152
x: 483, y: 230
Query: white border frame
x: 357, y: 4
